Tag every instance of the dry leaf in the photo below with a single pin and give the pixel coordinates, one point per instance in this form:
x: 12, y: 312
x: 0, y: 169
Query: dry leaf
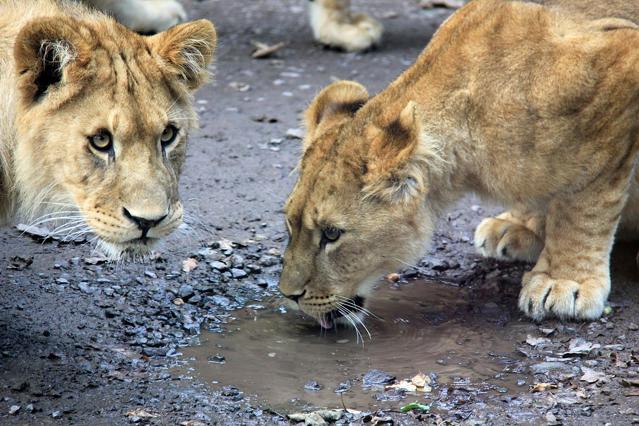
x: 420, y: 380
x: 141, y: 412
x: 404, y: 385
x: 542, y: 387
x: 630, y: 382
x: 394, y: 277
x: 189, y: 264
x: 263, y: 50
x: 579, y: 347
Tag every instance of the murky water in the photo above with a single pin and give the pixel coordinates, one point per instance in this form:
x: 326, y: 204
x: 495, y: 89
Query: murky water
x: 465, y: 339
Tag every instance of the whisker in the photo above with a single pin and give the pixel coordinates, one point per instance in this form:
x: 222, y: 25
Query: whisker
x: 346, y: 314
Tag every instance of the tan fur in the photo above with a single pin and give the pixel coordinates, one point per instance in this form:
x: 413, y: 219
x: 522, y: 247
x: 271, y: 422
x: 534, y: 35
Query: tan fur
x: 108, y: 78
x: 536, y: 107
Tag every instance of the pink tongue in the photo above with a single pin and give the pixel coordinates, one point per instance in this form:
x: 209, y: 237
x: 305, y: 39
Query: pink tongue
x: 326, y: 323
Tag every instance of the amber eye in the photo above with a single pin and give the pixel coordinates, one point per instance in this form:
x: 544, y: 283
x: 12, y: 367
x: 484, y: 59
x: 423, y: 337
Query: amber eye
x: 102, y: 141
x: 169, y: 135
x: 331, y: 234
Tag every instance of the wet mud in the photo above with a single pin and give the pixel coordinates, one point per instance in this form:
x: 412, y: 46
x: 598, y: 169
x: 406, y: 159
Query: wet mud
x: 289, y: 363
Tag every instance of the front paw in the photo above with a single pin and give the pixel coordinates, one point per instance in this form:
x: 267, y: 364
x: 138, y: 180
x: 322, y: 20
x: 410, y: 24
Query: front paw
x: 506, y: 240
x: 542, y: 297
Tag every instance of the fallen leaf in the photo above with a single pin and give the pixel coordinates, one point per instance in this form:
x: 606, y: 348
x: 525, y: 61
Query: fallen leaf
x: 394, y: 277
x: 263, y: 50
x: 189, y: 264
x: 95, y: 260
x: 420, y: 380
x: 142, y: 413
x: 542, y: 387
x: 239, y: 86
x: 630, y: 382
x: 578, y: 347
x: 404, y: 385
x: 414, y: 406
x: 592, y: 376
x: 19, y: 263
x: 295, y: 133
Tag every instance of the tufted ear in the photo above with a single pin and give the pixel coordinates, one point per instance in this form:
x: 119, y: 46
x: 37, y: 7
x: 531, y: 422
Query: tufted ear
x: 396, y: 166
x: 188, y: 50
x: 44, y: 51
x: 337, y: 100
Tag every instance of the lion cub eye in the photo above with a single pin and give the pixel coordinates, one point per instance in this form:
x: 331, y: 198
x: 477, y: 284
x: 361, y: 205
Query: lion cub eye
x: 169, y: 135
x: 331, y: 234
x: 102, y: 141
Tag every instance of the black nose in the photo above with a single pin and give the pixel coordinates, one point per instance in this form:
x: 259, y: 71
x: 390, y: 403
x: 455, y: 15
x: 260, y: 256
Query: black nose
x: 295, y: 297
x: 143, y: 223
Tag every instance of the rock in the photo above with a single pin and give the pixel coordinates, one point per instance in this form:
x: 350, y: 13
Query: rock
x: 217, y: 359
x: 545, y: 367
x: 219, y: 266
x: 268, y: 261
x: 85, y: 287
x: 237, y: 261
x: 238, y: 273
x: 377, y: 378
x: 14, y: 409
x: 343, y: 387
x: 150, y: 274
x: 56, y: 414
x: 186, y: 291
x: 314, y: 419
x: 313, y: 386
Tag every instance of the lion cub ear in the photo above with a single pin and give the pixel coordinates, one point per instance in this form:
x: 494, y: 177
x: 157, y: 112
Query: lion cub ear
x: 397, y: 161
x: 337, y: 100
x: 188, y: 50
x: 44, y: 51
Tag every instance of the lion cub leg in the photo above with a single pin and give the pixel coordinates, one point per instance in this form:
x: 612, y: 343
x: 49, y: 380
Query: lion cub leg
x: 517, y: 234
x: 571, y: 279
x: 334, y: 25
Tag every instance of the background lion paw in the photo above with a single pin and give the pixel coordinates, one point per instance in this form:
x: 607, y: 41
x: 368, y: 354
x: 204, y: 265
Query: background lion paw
x: 503, y: 239
x: 543, y: 296
x: 341, y: 29
x: 151, y: 16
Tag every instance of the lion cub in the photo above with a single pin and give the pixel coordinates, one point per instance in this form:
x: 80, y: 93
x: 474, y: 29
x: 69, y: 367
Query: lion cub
x: 94, y: 120
x: 516, y: 101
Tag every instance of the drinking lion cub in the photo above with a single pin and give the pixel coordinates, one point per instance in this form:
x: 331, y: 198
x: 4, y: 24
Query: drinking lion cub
x: 519, y: 102
x: 94, y: 120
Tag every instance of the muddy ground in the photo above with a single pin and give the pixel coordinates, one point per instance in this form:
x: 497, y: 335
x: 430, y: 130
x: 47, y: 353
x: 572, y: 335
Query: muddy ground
x: 83, y: 342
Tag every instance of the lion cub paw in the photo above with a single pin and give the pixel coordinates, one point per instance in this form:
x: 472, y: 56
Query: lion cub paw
x: 543, y: 296
x: 503, y: 239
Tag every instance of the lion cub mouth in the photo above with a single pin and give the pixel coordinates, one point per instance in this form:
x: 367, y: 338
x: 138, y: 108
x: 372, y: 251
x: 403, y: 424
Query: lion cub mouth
x: 345, y: 311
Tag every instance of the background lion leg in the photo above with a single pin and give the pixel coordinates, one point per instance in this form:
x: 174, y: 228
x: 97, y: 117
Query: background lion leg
x: 334, y: 25
x: 572, y: 276
x: 517, y: 234
x: 143, y: 16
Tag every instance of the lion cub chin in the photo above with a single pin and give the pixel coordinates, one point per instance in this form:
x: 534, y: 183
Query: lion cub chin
x: 516, y: 101
x: 94, y: 121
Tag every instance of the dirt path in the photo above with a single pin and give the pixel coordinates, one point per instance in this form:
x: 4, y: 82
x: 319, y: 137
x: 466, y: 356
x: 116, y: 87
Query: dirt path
x: 88, y: 343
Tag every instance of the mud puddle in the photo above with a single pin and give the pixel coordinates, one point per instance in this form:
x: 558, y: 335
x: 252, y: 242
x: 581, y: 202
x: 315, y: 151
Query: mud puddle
x: 463, y: 340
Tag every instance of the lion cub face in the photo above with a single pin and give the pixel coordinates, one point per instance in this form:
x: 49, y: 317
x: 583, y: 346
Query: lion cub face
x: 103, y: 118
x: 357, y: 210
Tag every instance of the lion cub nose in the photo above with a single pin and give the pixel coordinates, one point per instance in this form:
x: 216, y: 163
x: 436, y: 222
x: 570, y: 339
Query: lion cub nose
x: 295, y: 297
x: 144, y: 223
